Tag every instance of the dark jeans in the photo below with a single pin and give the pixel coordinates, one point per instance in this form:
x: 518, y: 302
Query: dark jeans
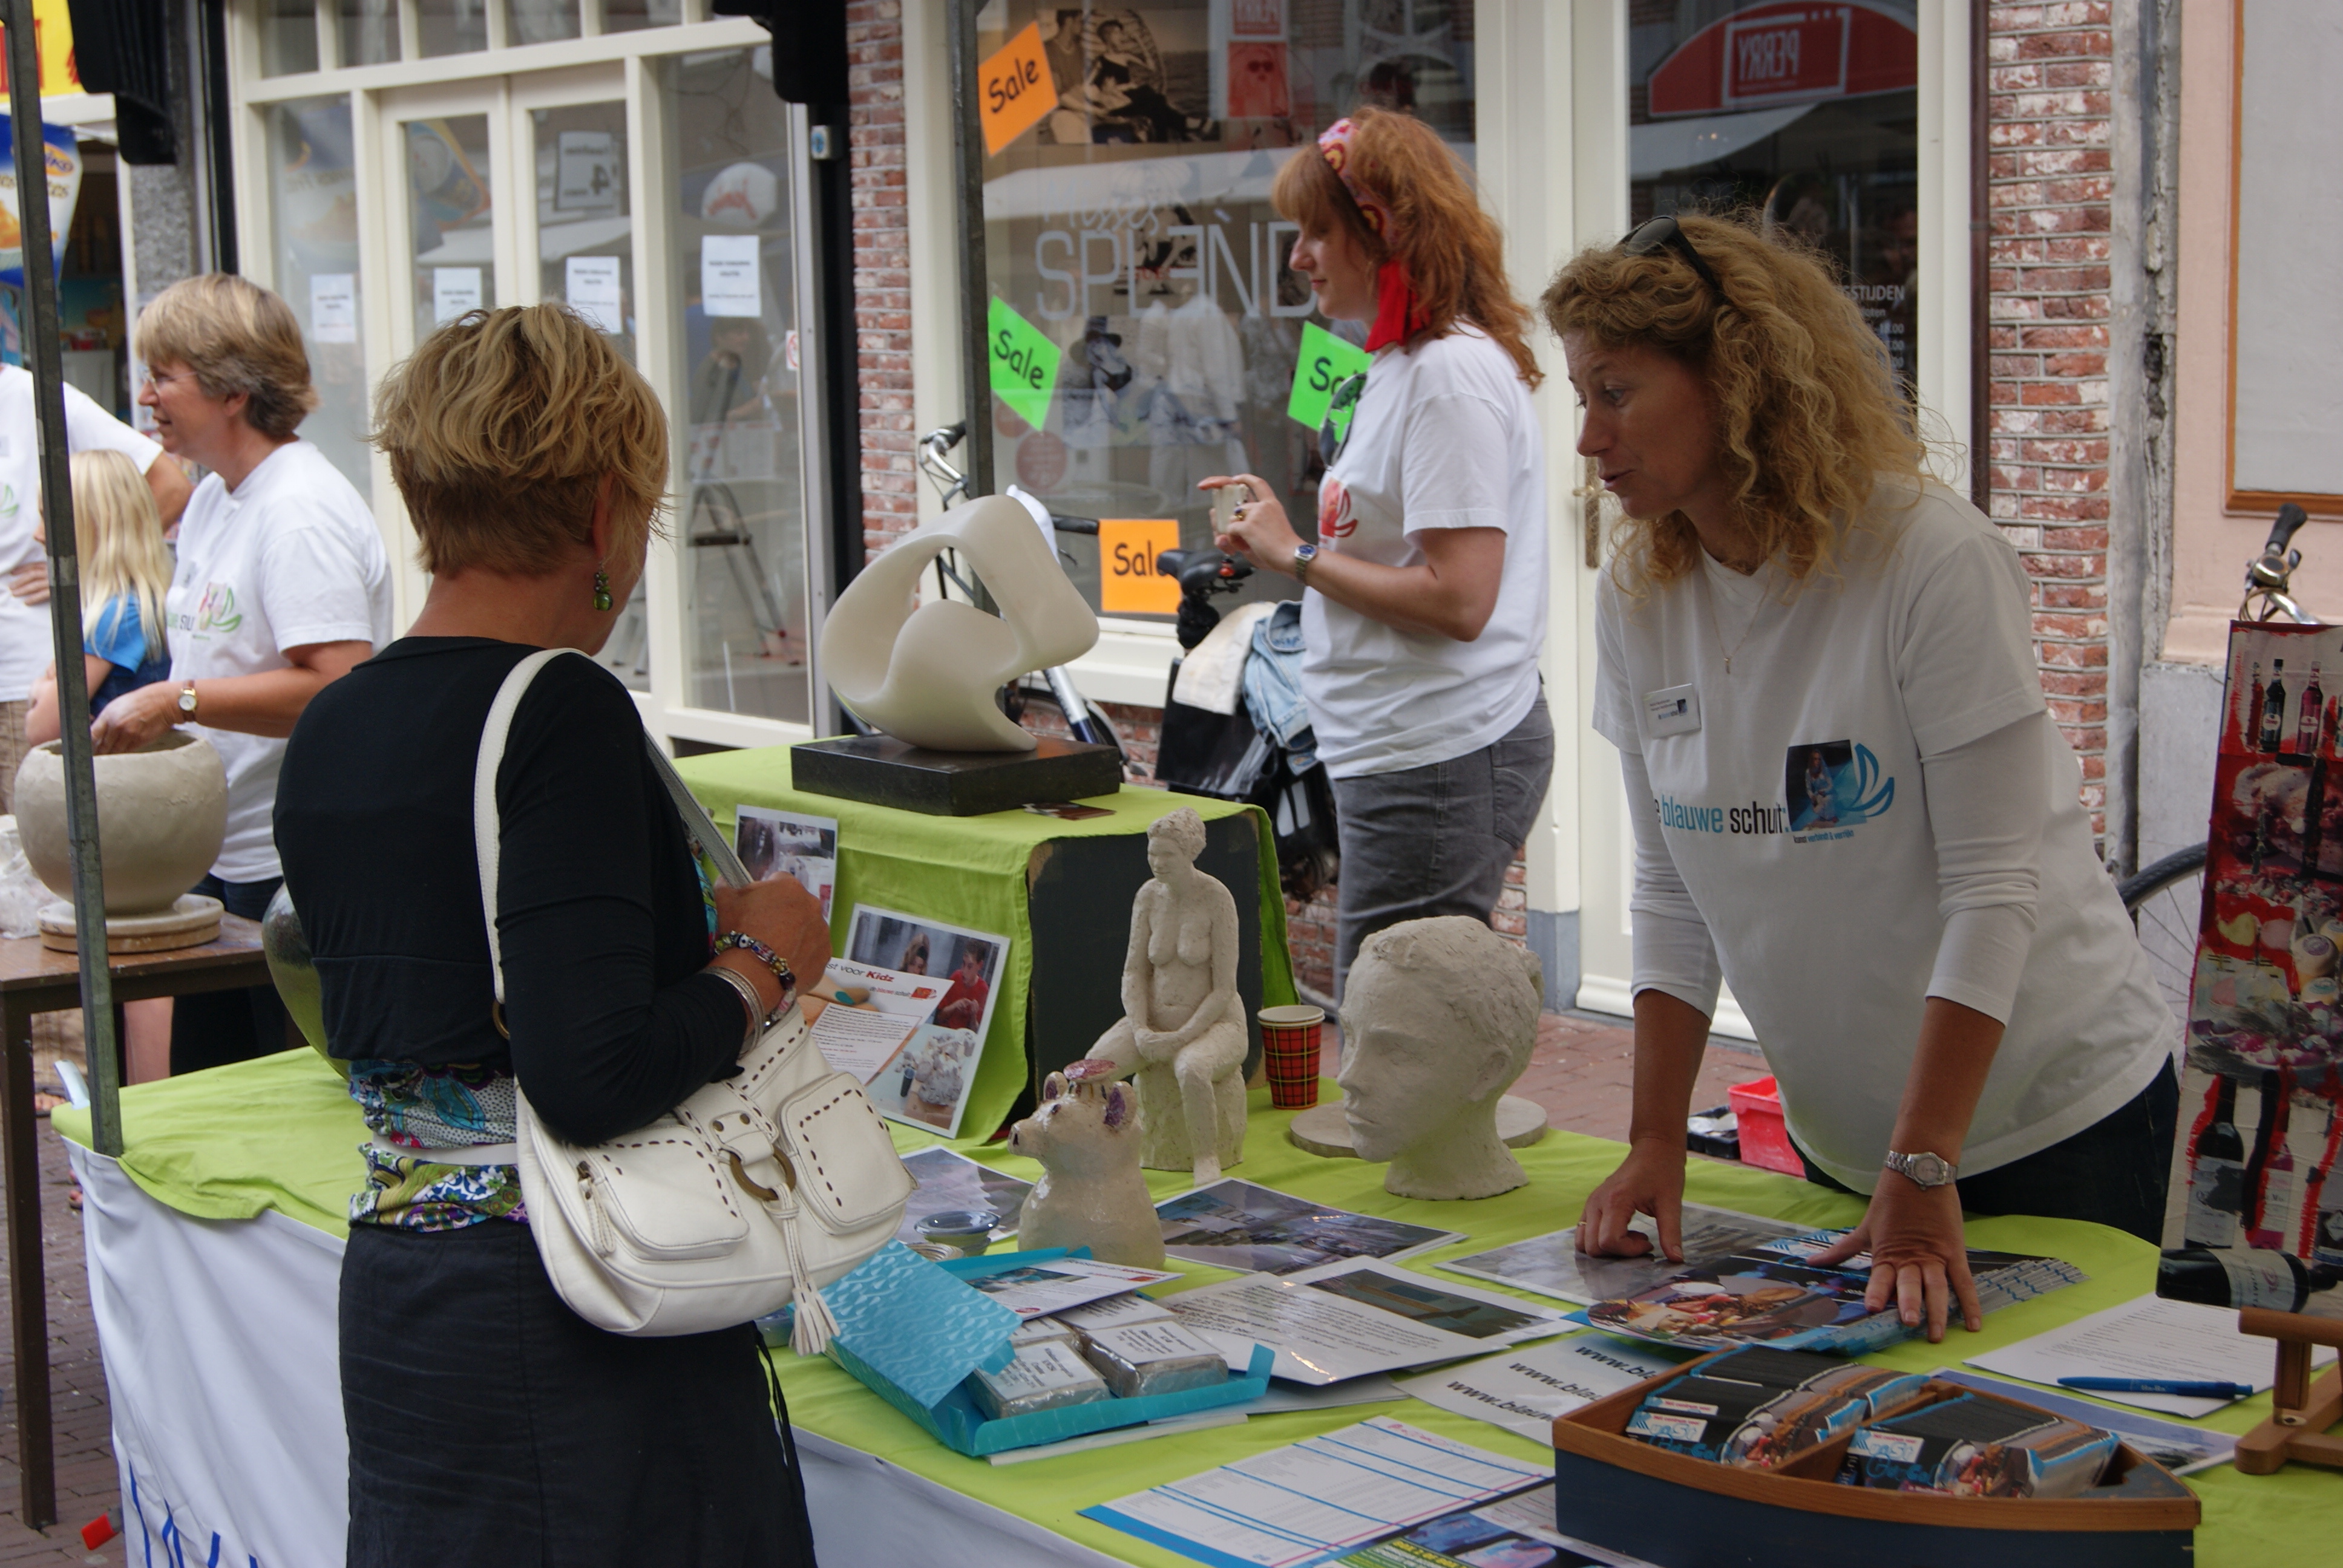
x: 223, y: 1026
x: 2112, y: 1172
x: 1436, y: 839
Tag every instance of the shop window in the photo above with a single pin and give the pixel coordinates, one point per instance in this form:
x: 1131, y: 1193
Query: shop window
x: 1805, y: 114
x: 540, y: 21
x: 451, y: 26
x: 1131, y: 226
x: 632, y: 15
x: 451, y: 218
x: 289, y: 37
x: 733, y: 386
x: 314, y: 221
x: 369, y: 32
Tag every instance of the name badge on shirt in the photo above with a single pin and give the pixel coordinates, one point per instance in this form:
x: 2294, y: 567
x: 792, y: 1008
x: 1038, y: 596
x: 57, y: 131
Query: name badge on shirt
x: 1674, y: 710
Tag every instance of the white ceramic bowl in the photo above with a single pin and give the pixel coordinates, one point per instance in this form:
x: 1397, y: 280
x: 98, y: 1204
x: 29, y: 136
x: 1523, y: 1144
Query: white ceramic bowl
x: 162, y: 815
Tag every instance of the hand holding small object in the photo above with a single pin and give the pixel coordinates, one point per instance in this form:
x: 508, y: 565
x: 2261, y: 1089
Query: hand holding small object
x: 1258, y: 531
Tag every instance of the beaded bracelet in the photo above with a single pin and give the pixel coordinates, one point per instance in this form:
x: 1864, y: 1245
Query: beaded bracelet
x: 763, y: 955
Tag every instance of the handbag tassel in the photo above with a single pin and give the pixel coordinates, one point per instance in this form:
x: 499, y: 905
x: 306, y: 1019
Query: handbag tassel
x: 810, y: 1334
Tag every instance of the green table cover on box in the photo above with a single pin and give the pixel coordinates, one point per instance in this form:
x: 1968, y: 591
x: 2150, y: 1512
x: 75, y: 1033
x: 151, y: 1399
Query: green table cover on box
x: 971, y: 871
x: 281, y: 1132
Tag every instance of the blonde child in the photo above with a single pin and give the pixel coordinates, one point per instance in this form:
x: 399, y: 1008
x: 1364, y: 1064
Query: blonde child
x: 126, y: 569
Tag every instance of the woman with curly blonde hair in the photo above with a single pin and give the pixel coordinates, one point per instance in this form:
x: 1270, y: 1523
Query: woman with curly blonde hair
x: 1849, y: 801
x: 1425, y: 603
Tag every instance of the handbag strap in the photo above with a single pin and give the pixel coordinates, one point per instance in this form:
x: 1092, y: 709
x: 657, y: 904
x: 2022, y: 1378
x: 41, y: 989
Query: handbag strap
x: 488, y: 827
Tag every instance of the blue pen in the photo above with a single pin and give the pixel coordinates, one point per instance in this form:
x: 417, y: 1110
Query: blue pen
x: 2158, y: 1385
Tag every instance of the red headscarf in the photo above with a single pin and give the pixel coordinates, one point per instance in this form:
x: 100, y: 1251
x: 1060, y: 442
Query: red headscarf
x: 1399, y: 315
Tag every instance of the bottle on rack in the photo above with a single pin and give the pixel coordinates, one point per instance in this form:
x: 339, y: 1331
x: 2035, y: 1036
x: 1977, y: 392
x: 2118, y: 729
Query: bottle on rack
x: 2327, y: 733
x: 2326, y: 1234
x: 2277, y: 1281
x: 2250, y: 735
x: 2217, y: 1175
x: 2274, y: 706
x: 2309, y: 709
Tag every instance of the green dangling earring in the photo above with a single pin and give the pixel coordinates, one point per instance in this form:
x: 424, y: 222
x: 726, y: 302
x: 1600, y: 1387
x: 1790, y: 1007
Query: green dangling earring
x: 602, y: 591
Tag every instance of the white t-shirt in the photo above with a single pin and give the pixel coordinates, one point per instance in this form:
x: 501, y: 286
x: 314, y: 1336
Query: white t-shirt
x: 291, y: 556
x: 25, y: 646
x: 1443, y: 437
x: 1789, y: 799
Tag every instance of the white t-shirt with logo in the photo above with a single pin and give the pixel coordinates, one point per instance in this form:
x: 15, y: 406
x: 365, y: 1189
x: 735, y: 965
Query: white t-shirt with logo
x: 1790, y: 803
x: 290, y: 557
x: 1443, y: 436
x: 25, y: 645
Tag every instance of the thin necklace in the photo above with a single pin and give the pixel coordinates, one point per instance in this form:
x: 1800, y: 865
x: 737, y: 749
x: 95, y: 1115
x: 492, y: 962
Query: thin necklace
x: 1709, y: 597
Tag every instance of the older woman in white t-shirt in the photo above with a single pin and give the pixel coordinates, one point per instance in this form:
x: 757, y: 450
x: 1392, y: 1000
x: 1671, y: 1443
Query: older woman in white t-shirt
x: 1427, y: 603
x: 1848, y: 798
x: 281, y: 586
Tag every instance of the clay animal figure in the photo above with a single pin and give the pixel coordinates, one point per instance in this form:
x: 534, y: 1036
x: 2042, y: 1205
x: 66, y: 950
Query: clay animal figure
x: 1439, y: 1018
x: 1090, y: 1193
x: 1182, y: 1031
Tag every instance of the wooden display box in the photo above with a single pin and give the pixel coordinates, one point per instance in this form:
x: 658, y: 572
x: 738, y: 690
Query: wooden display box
x: 1684, y: 1512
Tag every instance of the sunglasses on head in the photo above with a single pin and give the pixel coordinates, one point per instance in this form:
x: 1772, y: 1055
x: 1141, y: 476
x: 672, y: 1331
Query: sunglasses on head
x: 1665, y: 234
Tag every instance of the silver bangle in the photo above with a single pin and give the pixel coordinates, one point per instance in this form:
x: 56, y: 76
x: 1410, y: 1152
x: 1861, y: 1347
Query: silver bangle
x: 750, y: 1002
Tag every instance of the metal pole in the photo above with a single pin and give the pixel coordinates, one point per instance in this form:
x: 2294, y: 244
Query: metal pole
x: 43, y: 357
x: 968, y: 210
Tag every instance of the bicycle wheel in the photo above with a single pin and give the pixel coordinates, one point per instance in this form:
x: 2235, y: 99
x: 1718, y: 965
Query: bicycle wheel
x: 2167, y: 905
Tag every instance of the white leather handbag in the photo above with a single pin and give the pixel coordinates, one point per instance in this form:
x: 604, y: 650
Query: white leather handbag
x: 758, y: 1190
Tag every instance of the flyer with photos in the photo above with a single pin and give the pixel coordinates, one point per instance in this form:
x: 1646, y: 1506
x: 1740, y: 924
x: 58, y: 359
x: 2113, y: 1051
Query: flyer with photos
x: 1236, y: 1225
x: 949, y: 1181
x: 786, y: 844
x: 2254, y: 1214
x: 924, y: 1078
x: 1552, y: 1264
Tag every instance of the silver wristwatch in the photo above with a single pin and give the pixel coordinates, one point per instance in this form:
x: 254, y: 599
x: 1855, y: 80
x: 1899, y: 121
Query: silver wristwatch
x: 1302, y: 556
x: 1922, y: 1170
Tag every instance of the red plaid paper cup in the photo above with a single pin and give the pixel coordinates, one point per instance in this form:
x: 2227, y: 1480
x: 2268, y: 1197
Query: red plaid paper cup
x: 1289, y: 1047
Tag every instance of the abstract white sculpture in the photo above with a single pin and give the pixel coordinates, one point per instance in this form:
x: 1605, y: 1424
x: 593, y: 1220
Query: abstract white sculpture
x: 1439, y: 1018
x: 925, y: 673
x: 1182, y: 1030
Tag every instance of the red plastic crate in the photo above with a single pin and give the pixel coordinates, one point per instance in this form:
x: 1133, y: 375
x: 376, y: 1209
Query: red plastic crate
x: 1765, y: 1140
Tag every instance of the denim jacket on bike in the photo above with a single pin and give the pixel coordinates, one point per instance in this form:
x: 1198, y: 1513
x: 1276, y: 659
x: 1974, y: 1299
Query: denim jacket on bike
x: 1272, y: 685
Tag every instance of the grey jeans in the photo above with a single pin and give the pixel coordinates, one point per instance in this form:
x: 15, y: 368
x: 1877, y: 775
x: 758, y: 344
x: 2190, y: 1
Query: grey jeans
x: 1436, y: 839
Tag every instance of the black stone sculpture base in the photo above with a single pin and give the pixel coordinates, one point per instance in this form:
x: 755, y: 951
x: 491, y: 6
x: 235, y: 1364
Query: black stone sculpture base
x: 881, y: 770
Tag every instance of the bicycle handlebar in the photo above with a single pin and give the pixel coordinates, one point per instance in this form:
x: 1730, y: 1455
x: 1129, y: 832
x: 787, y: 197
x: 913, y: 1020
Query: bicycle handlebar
x: 2290, y: 519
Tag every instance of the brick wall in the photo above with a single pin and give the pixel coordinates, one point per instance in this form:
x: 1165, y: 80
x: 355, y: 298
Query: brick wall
x: 883, y: 267
x: 2051, y: 181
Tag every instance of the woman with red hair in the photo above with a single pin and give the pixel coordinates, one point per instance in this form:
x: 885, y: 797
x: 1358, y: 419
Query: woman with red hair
x: 1425, y: 603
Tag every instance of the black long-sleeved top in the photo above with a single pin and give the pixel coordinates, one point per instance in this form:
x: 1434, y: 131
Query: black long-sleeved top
x: 603, y: 924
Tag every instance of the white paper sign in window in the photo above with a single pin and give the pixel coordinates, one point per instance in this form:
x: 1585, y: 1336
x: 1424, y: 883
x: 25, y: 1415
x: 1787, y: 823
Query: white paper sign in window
x: 728, y: 275
x: 334, y: 306
x: 453, y: 290
x: 593, y: 291
x: 587, y: 176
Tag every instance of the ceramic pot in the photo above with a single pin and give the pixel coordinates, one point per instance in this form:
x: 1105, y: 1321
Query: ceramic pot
x: 286, y: 947
x: 162, y: 815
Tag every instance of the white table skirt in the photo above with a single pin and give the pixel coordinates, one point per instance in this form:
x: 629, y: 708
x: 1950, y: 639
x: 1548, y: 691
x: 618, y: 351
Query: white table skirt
x: 218, y: 1337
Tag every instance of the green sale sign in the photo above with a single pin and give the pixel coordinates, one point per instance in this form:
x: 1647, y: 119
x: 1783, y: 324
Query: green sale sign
x: 1024, y: 363
x: 1326, y: 360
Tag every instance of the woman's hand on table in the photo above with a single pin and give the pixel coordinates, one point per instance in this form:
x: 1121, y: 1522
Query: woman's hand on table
x: 1650, y: 1181
x: 1260, y: 533
x: 1919, y: 1254
x: 781, y: 914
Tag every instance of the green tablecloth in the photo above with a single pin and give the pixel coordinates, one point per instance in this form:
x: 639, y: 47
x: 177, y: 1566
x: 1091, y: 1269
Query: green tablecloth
x: 281, y: 1133
x: 971, y: 871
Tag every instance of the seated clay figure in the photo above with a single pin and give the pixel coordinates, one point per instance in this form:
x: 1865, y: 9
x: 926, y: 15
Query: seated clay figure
x: 1182, y: 1030
x: 1090, y: 1193
x: 1438, y: 1020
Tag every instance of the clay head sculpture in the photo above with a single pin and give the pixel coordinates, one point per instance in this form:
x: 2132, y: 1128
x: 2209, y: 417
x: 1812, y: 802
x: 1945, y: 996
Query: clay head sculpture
x: 1090, y: 1193
x: 925, y: 673
x: 1438, y: 1017
x: 1182, y: 1030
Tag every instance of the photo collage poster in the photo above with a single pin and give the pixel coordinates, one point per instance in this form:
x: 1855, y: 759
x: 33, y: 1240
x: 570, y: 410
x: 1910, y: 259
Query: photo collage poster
x: 2255, y: 1212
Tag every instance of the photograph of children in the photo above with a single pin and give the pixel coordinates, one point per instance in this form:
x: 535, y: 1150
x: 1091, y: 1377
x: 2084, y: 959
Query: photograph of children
x: 953, y: 1182
x: 1753, y: 1298
x: 1128, y: 75
x: 1424, y: 1302
x: 927, y: 1082
x: 784, y: 844
x: 1235, y: 1225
